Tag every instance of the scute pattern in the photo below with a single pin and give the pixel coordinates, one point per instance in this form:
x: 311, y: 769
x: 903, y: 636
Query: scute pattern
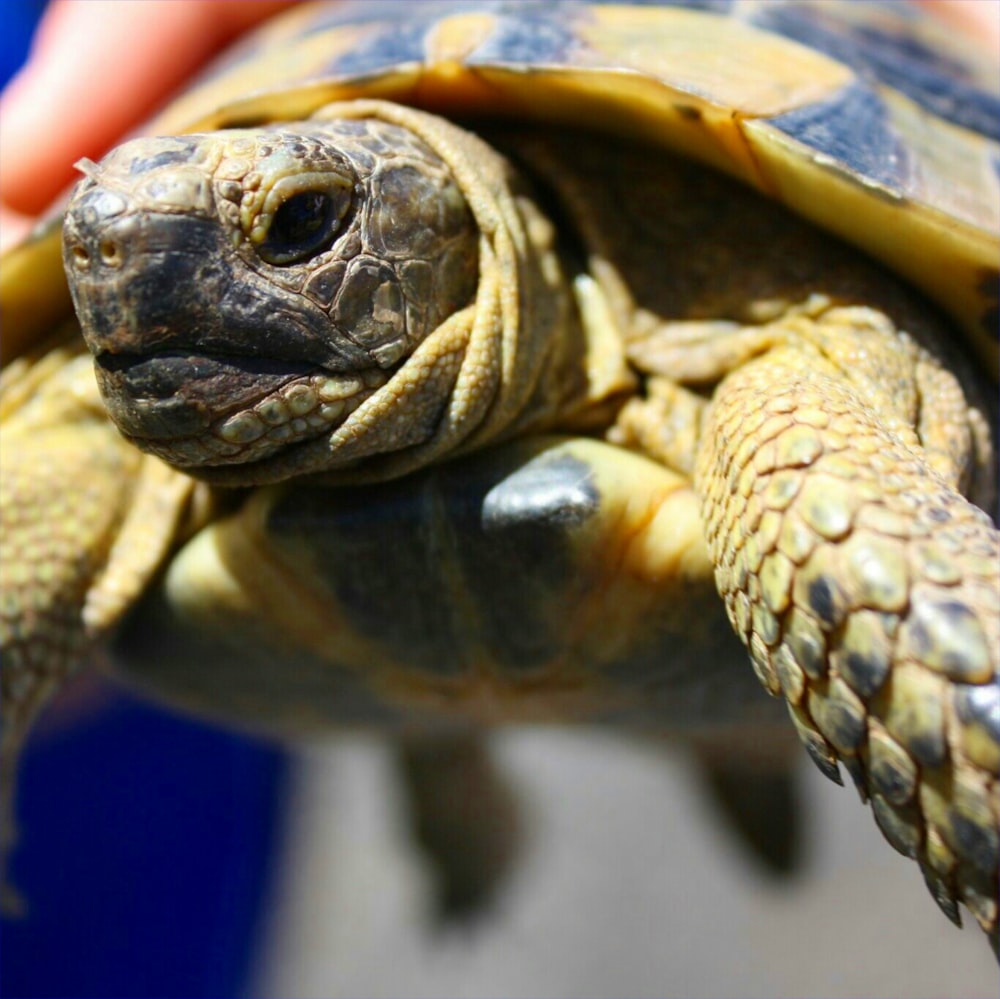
x: 854, y: 129
x: 889, y: 48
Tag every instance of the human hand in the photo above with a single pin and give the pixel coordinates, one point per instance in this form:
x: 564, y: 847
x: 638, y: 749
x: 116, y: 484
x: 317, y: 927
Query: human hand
x: 979, y: 19
x: 97, y: 69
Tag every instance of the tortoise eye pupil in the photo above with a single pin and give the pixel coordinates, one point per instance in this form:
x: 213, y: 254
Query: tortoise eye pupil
x: 299, y: 218
x: 301, y: 227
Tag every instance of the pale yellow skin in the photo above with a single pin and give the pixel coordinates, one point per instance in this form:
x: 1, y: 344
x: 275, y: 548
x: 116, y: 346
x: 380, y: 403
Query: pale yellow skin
x: 793, y: 390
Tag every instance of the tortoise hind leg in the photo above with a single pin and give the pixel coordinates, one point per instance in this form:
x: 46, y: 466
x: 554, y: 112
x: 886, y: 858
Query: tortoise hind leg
x: 464, y: 816
x: 751, y: 781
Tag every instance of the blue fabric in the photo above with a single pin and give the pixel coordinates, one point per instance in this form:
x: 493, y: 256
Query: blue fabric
x: 19, y: 19
x: 146, y: 845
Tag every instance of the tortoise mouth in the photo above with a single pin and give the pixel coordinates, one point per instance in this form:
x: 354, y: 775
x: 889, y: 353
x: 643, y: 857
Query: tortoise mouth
x: 163, y: 374
x: 176, y: 393
x: 167, y: 402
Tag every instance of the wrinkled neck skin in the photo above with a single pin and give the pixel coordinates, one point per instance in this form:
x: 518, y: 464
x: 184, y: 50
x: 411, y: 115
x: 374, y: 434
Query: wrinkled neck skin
x: 355, y: 296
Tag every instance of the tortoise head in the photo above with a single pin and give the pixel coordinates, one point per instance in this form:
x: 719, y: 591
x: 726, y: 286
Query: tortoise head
x: 244, y: 291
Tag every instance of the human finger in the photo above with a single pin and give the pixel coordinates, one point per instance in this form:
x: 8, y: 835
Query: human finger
x: 97, y: 69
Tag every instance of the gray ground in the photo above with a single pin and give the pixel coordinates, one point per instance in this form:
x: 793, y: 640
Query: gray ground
x: 628, y: 886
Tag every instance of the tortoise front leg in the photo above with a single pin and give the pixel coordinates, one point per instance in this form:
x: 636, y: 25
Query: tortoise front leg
x: 86, y: 520
x: 863, y: 583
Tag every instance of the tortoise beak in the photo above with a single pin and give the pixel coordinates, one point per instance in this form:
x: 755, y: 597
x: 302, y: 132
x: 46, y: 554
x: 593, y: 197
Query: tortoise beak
x: 125, y: 267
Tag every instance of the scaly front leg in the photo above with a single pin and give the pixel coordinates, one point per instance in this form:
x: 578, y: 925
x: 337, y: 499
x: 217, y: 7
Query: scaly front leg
x: 86, y: 519
x: 863, y: 583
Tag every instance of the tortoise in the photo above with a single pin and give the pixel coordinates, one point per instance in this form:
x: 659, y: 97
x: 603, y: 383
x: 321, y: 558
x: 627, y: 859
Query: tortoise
x: 451, y: 358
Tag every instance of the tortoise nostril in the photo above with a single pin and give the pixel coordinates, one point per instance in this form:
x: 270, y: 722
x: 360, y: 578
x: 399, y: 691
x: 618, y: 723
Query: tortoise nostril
x: 111, y: 255
x: 81, y: 258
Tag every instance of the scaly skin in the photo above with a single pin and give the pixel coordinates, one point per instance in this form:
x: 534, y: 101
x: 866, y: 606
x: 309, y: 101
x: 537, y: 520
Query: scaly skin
x: 866, y: 589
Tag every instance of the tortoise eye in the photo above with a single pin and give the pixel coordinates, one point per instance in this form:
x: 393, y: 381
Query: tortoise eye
x: 302, y: 226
